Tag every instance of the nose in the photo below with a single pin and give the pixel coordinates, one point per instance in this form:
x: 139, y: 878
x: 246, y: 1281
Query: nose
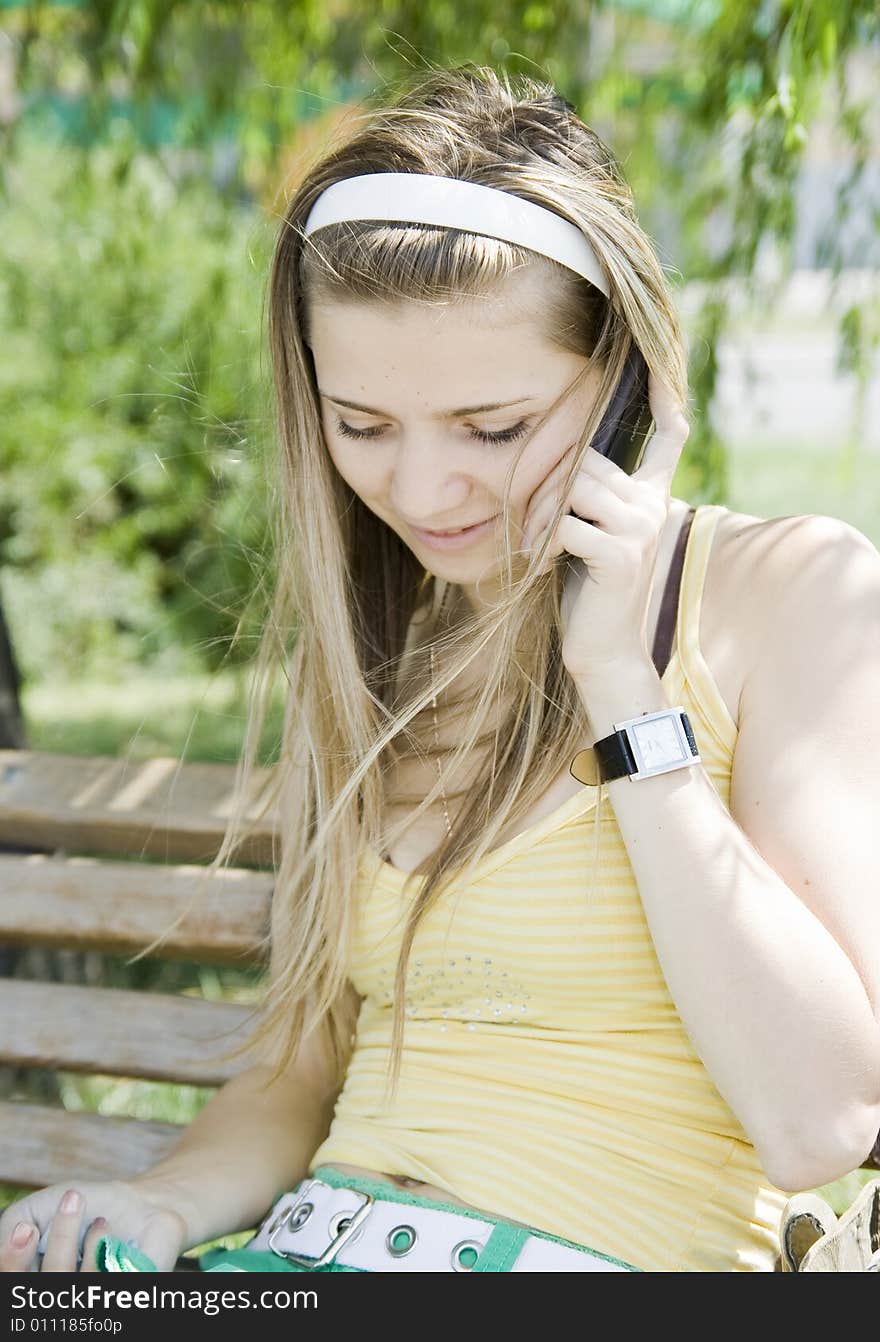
x: 425, y: 483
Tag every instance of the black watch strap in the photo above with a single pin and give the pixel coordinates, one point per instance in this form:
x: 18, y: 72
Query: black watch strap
x: 614, y: 757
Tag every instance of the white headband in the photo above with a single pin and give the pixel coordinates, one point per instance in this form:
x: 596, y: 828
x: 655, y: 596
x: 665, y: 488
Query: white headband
x: 422, y: 198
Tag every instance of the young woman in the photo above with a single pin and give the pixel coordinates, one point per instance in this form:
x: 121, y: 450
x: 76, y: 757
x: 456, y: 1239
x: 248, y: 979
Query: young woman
x: 531, y: 1007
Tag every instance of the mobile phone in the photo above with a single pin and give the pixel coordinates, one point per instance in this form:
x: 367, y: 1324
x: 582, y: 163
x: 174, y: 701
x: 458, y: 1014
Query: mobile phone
x: 626, y: 426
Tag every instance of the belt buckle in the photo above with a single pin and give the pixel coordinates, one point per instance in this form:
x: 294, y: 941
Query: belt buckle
x: 341, y: 1237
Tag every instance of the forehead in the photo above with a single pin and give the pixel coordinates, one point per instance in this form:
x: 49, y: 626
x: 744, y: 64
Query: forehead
x: 457, y: 353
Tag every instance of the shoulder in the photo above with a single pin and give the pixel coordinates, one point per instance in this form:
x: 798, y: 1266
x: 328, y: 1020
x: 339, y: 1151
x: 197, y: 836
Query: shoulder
x: 757, y: 538
x: 773, y: 580
x: 761, y: 567
x: 801, y: 599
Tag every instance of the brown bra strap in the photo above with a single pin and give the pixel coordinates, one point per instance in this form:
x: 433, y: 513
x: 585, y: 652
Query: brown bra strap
x: 669, y: 605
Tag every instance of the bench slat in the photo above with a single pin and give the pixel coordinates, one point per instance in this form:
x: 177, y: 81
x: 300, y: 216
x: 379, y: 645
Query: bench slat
x: 142, y: 808
x: 44, y: 1146
x: 119, y: 907
x: 116, y: 1032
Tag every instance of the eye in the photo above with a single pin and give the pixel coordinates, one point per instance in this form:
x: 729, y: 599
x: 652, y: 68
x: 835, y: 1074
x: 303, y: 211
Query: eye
x: 501, y: 436
x: 348, y: 432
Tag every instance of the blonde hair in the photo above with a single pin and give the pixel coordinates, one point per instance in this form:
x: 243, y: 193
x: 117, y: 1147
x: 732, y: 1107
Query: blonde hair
x: 347, y: 587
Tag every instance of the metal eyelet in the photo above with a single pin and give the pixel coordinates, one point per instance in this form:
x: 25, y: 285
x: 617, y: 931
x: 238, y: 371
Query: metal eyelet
x: 300, y: 1216
x: 465, y: 1246
x: 400, y: 1250
x: 339, y: 1222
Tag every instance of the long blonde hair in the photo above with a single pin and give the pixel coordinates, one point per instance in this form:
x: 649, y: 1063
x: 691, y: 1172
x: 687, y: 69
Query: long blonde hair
x: 346, y: 586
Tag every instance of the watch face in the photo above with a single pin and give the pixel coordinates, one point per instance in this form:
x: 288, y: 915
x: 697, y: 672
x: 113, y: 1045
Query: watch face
x: 658, y: 742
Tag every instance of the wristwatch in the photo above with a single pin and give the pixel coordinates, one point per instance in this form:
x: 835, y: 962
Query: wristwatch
x: 654, y: 743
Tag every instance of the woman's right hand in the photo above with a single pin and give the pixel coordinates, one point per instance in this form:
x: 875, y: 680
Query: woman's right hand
x: 73, y: 1225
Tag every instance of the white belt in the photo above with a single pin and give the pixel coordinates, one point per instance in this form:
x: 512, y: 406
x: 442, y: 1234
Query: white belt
x: 318, y: 1224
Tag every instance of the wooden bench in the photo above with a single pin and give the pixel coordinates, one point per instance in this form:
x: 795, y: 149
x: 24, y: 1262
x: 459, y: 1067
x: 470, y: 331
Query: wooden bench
x: 66, y: 827
x: 74, y: 821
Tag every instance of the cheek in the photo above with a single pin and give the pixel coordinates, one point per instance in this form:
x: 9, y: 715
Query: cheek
x: 540, y: 458
x: 353, y: 464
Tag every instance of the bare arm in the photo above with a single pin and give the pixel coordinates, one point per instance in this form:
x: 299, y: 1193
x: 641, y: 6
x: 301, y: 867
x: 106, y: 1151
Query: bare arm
x: 247, y: 1145
x: 765, y: 918
x: 250, y: 1143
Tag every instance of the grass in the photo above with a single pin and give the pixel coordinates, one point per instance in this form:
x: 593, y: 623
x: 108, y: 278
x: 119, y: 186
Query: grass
x: 141, y: 715
x: 774, y: 480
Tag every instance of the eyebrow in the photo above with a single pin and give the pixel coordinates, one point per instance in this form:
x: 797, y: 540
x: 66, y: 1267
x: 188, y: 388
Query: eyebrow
x: 444, y: 414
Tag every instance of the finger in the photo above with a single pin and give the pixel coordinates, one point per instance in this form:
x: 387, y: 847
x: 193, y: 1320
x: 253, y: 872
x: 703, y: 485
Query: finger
x: 666, y: 408
x: 62, y: 1242
x: 600, y: 467
x: 589, y: 543
x: 590, y: 500
x: 96, y: 1230
x: 664, y: 450
x: 661, y: 459
x: 595, y: 502
x: 19, y: 1251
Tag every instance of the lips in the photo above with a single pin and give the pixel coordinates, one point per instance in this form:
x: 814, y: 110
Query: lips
x: 454, y: 531
x: 457, y: 540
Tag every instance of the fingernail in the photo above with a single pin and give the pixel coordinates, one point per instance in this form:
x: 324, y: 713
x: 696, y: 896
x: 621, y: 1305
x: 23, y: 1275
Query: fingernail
x: 72, y: 1201
x: 22, y: 1234
x: 98, y: 1223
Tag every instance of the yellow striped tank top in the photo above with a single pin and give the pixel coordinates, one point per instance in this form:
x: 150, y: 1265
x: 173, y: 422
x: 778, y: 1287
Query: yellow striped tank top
x: 546, y: 1075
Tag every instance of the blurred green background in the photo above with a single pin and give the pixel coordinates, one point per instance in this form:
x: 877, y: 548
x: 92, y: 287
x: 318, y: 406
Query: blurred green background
x: 146, y: 149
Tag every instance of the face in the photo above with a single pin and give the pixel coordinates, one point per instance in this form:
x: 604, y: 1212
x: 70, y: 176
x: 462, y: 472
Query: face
x: 407, y: 396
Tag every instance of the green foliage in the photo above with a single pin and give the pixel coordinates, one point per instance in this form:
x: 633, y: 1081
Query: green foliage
x: 843, y: 1192
x: 134, y: 401
x: 132, y: 513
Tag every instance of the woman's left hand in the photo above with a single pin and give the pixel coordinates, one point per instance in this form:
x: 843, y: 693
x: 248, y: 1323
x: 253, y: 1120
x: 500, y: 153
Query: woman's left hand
x: 605, y: 611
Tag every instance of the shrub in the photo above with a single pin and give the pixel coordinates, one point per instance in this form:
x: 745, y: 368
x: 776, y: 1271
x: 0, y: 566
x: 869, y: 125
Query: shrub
x: 135, y: 410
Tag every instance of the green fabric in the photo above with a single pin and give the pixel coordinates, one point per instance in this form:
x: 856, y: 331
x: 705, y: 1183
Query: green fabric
x: 502, y: 1248
x: 241, y: 1260
x: 117, y: 1255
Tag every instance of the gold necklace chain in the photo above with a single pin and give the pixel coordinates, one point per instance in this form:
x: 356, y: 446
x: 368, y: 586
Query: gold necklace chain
x: 437, y: 741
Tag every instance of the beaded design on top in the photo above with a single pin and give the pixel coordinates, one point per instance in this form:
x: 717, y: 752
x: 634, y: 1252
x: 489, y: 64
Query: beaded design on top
x: 468, y: 989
